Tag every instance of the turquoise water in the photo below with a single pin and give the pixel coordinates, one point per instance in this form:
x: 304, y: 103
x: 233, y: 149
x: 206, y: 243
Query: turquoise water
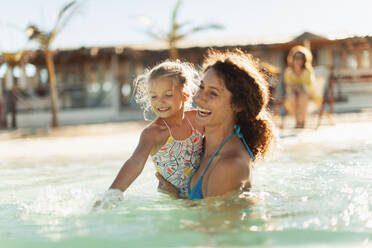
x: 316, y: 192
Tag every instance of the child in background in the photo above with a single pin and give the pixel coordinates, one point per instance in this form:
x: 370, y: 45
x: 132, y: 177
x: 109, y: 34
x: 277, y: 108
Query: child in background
x: 173, y: 140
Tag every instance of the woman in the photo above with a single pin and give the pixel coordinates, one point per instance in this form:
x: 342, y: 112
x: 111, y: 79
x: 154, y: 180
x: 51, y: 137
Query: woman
x: 232, y: 102
x: 299, y: 77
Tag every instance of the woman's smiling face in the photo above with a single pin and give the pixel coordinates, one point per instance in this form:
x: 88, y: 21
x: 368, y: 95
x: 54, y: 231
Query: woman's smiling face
x: 213, y: 100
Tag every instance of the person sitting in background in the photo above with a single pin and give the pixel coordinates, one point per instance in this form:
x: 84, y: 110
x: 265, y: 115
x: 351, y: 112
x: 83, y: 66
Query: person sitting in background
x: 299, y: 77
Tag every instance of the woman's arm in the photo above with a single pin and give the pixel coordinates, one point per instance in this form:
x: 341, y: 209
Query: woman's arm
x: 133, y: 167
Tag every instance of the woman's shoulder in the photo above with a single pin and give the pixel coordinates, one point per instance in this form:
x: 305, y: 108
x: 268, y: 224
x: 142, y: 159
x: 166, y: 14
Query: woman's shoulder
x: 233, y: 164
x: 308, y: 70
x: 230, y: 172
x: 288, y: 70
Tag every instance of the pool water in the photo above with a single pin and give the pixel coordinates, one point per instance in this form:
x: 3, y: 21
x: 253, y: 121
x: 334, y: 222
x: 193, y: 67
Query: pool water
x: 315, y: 192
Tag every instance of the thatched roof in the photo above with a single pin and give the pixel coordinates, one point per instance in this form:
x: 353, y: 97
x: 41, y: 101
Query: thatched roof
x: 309, y: 37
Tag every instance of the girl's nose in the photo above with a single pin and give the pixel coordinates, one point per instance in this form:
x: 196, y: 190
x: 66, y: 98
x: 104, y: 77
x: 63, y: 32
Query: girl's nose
x: 161, y: 99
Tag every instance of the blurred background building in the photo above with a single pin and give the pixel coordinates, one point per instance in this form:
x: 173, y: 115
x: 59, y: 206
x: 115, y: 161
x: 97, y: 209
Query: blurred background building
x: 95, y: 83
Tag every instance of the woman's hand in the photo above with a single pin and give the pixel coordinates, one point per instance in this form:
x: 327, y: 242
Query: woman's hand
x: 166, y: 186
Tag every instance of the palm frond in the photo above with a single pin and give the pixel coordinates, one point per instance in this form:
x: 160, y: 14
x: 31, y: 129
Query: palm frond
x: 12, y: 58
x: 176, y: 31
x: 201, y: 28
x: 184, y: 24
x: 33, y: 32
x: 205, y: 27
x: 63, y: 10
x: 62, y: 18
x: 154, y: 35
x: 175, y: 12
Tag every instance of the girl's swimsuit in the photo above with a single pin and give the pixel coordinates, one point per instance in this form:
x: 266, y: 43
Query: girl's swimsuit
x: 197, y: 193
x: 177, y: 160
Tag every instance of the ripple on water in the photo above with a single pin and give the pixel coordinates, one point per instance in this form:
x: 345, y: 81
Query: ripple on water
x: 315, y: 191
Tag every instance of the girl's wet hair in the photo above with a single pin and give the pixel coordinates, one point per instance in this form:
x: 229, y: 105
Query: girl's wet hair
x: 241, y: 75
x: 180, y: 72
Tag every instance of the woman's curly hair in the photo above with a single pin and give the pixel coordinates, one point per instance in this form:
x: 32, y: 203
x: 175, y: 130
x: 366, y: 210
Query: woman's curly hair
x: 248, y: 86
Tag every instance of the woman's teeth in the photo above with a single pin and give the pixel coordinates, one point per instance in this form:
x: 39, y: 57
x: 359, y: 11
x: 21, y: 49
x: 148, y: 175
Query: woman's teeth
x: 203, y: 112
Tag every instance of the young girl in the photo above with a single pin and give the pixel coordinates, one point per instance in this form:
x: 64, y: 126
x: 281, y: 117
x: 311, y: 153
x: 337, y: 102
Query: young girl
x: 173, y: 140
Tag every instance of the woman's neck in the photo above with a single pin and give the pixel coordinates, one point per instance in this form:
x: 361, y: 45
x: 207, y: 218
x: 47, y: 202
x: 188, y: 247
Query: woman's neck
x: 297, y: 70
x: 214, y: 136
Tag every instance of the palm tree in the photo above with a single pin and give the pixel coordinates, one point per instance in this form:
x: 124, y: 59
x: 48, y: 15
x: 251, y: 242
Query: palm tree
x: 45, y: 40
x: 175, y: 34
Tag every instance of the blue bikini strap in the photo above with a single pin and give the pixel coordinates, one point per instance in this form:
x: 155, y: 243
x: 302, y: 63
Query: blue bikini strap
x: 215, y: 153
x: 240, y: 135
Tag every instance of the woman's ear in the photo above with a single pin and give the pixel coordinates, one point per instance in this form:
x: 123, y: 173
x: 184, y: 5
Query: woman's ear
x: 237, y: 109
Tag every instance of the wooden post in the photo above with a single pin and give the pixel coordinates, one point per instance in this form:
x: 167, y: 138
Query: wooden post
x: 357, y: 51
x: 22, y: 83
x: 9, y: 82
x: 13, y: 105
x: 114, y: 68
x: 2, y: 106
x: 84, y: 78
x: 331, y: 97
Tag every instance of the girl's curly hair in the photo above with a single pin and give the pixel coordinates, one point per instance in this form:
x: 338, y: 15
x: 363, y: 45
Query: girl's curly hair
x: 180, y: 72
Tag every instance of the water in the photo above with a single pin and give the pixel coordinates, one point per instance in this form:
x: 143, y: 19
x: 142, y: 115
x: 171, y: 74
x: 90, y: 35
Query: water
x: 315, y: 193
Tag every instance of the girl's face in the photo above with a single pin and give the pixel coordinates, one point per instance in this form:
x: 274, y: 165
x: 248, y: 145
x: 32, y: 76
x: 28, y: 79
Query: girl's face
x: 214, y: 101
x: 165, y: 97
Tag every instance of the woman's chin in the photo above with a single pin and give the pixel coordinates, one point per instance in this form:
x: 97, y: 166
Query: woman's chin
x: 201, y: 121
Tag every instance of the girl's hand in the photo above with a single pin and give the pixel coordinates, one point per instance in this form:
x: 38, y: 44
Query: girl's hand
x: 166, y: 186
x: 110, y: 199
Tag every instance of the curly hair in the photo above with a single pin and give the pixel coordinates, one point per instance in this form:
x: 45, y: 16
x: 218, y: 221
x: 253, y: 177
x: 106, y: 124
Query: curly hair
x: 248, y: 86
x: 180, y: 72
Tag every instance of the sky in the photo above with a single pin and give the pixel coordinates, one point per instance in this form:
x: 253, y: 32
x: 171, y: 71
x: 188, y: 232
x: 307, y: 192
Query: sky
x: 120, y: 22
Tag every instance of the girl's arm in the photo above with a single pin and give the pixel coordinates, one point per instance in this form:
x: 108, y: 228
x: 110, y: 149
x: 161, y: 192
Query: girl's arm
x: 135, y: 164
